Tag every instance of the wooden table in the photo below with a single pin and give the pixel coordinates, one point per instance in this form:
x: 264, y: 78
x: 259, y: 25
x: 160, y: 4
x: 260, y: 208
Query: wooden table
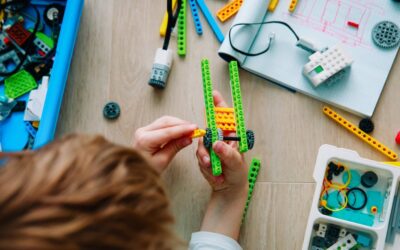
x: 112, y: 61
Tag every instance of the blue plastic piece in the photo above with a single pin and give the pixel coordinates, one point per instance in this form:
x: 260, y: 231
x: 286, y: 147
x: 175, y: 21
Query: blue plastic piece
x: 31, y: 130
x: 354, y: 216
x: 355, y: 178
x: 375, y: 198
x: 335, y: 200
x: 196, y: 17
x: 211, y: 21
x: 364, y: 240
x: 14, y: 133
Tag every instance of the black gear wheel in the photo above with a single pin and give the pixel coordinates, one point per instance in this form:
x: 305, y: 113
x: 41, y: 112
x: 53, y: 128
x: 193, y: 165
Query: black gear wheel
x: 207, y: 139
x: 250, y: 139
x: 386, y: 34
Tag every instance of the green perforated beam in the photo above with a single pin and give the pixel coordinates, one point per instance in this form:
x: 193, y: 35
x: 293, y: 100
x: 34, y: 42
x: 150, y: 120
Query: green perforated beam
x: 210, y: 114
x: 252, y: 178
x: 238, y: 106
x: 182, y: 30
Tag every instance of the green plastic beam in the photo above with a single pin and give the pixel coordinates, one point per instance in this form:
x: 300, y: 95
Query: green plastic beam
x: 238, y: 106
x: 182, y: 30
x: 210, y: 114
x: 252, y: 178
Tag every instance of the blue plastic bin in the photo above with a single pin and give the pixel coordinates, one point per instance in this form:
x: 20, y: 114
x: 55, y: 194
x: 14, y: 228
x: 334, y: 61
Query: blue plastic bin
x: 13, y: 134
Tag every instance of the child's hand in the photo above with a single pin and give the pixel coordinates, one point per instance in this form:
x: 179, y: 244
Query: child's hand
x: 234, y: 176
x: 160, y: 141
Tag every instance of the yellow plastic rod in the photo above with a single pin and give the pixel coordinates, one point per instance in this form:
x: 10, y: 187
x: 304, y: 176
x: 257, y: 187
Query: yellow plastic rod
x: 272, y: 5
x: 292, y: 5
x: 164, y: 24
x: 359, y: 133
x: 198, y: 133
x: 229, y: 10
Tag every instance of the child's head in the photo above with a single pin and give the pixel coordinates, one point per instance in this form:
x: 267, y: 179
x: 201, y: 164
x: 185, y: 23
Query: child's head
x: 82, y: 192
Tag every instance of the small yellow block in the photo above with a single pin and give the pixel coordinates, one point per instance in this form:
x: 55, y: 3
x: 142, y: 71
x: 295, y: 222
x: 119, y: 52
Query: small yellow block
x: 164, y: 24
x: 198, y: 133
x: 35, y: 124
x: 292, y: 5
x: 272, y: 5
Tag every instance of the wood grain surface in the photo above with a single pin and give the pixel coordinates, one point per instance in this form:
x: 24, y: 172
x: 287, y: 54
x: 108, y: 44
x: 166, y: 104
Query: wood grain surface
x: 112, y: 62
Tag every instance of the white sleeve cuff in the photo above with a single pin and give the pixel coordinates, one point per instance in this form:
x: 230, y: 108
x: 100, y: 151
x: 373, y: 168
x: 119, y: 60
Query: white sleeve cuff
x: 212, y: 241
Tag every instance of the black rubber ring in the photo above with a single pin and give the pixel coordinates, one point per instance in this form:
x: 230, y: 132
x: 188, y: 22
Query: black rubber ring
x: 363, y: 193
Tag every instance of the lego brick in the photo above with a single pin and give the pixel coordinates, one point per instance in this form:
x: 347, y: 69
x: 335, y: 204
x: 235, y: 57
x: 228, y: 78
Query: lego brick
x: 360, y: 134
x: 353, y: 24
x: 18, y: 33
x: 164, y: 24
x: 225, y: 118
x: 252, y: 178
x: 326, y: 64
x: 211, y: 21
x: 293, y: 5
x: 229, y: 10
x: 31, y: 130
x: 344, y: 244
x: 210, y: 114
x: 196, y: 17
x: 19, y: 84
x: 10, y: 56
x: 238, y: 106
x: 272, y: 5
x: 198, y: 133
x: 181, y: 48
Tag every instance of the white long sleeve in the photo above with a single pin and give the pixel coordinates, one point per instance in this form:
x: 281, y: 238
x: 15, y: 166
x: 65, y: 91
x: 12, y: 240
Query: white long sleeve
x: 212, y: 241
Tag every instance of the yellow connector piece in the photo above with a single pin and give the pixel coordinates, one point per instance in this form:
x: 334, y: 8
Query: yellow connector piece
x: 35, y: 124
x: 229, y: 10
x: 272, y: 5
x: 164, y: 24
x: 292, y: 5
x: 359, y: 133
x: 392, y: 163
x: 198, y: 133
x: 225, y: 118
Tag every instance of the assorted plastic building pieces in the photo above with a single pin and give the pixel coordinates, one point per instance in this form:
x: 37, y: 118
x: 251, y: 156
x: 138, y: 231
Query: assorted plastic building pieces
x: 359, y: 133
x: 366, y: 125
x: 19, y: 84
x: 272, y: 5
x: 386, y: 34
x: 211, y: 21
x: 196, y: 17
x: 164, y: 24
x: 252, y: 178
x: 293, y: 5
x: 210, y: 114
x: 182, y: 29
x: 238, y: 106
x: 111, y: 111
x: 229, y: 10
x: 397, y: 139
x: 325, y: 66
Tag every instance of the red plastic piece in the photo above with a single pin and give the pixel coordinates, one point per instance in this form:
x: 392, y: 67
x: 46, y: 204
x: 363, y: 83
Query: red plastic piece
x: 41, y: 53
x: 18, y: 33
x: 353, y: 24
x: 398, y: 138
x: 6, y: 41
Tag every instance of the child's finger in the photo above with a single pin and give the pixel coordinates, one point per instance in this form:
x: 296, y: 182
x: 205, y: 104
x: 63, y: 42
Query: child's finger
x: 160, y: 137
x: 202, y: 154
x: 164, y: 122
x: 229, y: 156
x: 219, y: 100
x: 168, y: 152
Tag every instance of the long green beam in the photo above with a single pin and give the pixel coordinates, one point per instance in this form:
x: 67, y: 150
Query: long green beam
x: 252, y: 178
x: 238, y: 106
x: 210, y: 114
x: 182, y: 29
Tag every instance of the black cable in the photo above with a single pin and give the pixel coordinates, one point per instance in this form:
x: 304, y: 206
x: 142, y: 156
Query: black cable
x: 172, y: 18
x: 28, y: 48
x: 270, y: 40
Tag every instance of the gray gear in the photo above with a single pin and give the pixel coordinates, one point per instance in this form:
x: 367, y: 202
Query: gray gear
x: 386, y: 34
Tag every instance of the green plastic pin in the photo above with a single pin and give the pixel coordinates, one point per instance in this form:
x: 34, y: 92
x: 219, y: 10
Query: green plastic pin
x: 252, y: 178
x: 210, y: 114
x: 238, y: 106
x: 182, y: 29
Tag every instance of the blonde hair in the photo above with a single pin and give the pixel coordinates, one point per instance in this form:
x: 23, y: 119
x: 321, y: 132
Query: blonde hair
x: 82, y: 192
